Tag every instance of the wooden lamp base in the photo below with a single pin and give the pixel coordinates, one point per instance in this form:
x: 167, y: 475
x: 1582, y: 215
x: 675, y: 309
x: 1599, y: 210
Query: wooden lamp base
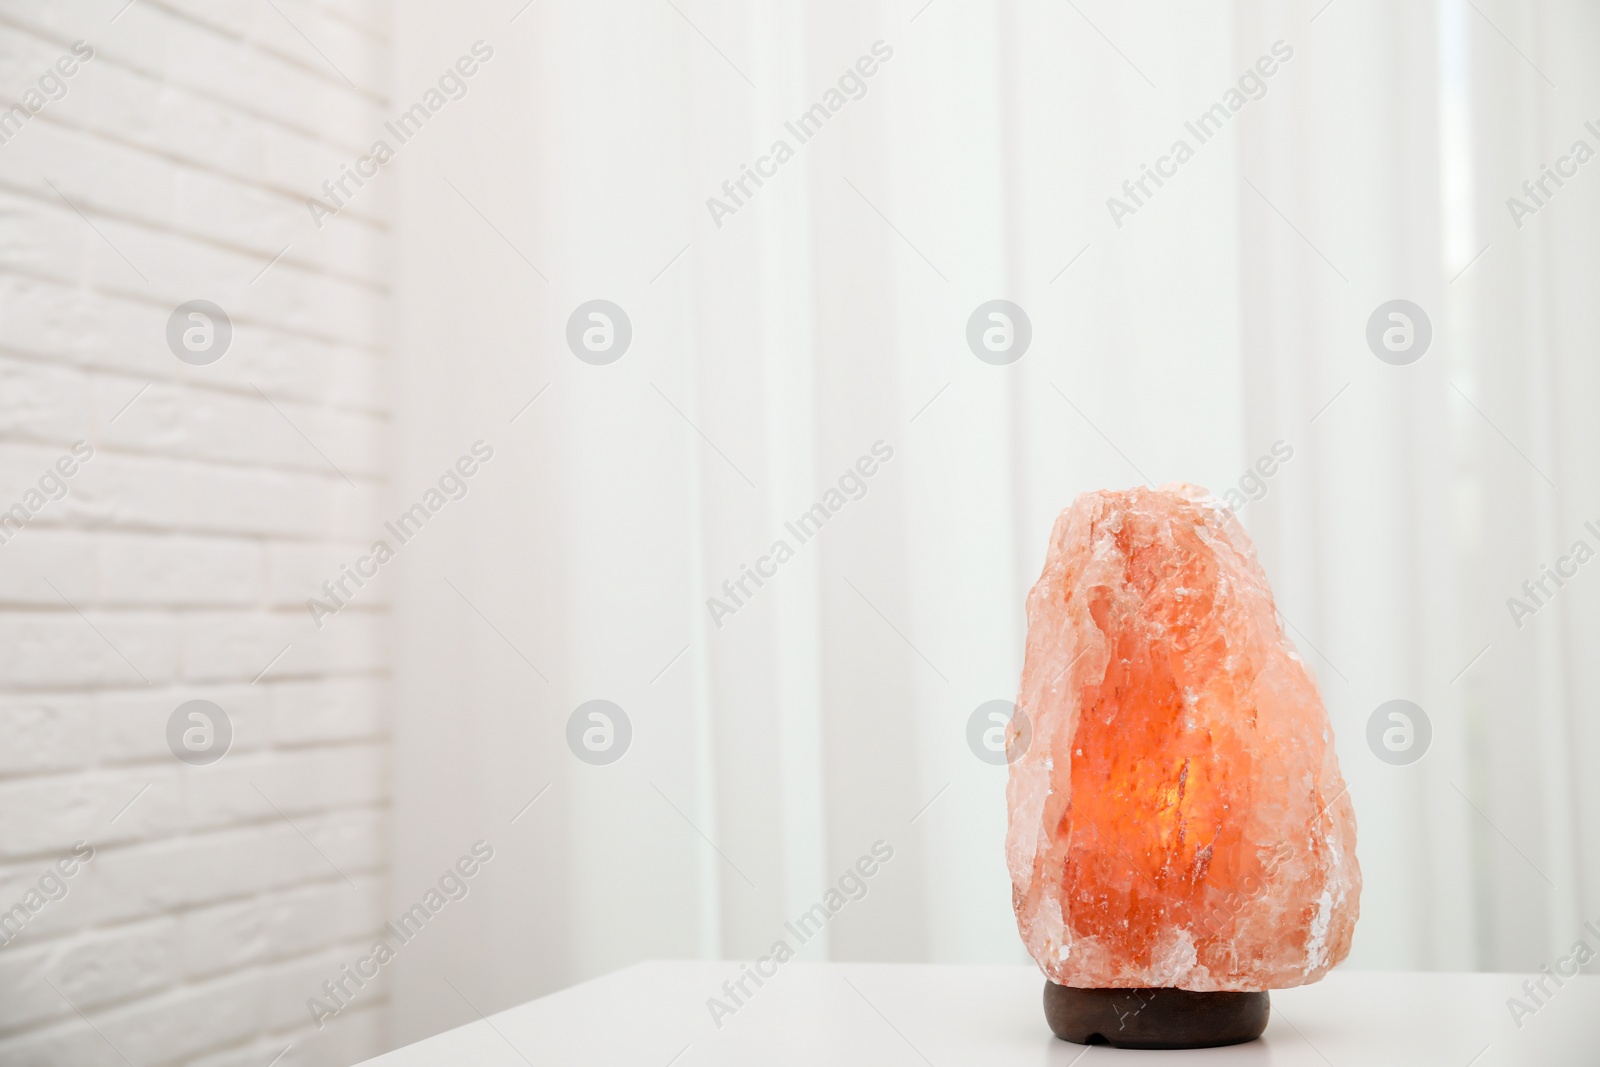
x: 1154, y: 1018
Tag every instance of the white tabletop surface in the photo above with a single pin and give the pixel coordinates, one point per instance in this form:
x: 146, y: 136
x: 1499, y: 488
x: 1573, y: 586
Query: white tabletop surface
x: 655, y: 1014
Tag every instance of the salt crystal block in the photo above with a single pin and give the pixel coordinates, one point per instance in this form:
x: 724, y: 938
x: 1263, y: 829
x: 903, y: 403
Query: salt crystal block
x: 1178, y: 818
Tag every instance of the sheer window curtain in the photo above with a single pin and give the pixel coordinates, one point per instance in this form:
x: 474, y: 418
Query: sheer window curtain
x: 1527, y: 360
x: 1435, y: 490
x: 828, y: 313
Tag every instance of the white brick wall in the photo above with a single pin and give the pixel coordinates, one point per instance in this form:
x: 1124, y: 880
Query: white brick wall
x: 183, y: 555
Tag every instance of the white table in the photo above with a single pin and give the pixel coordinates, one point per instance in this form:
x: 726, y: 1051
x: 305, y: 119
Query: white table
x: 654, y: 1014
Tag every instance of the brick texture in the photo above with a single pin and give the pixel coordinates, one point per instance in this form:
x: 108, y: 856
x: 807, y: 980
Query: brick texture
x: 177, y: 565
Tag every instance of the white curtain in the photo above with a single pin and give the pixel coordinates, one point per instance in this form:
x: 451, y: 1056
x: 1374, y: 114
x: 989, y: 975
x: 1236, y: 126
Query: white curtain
x: 1527, y: 449
x: 1434, y: 490
x: 828, y: 312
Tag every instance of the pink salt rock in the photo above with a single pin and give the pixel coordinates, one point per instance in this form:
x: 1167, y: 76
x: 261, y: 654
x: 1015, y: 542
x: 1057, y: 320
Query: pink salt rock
x: 1178, y: 818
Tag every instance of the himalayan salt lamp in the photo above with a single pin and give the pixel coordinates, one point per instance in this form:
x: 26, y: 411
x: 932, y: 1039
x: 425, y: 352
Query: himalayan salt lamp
x: 1180, y: 839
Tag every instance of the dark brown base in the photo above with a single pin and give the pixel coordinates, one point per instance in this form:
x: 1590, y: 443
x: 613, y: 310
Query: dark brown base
x: 1154, y: 1018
